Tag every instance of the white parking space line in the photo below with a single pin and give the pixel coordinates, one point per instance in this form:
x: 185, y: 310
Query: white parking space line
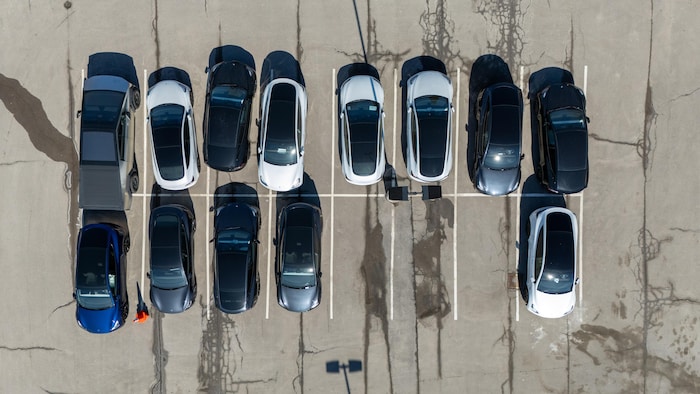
x: 371, y: 195
x: 207, y: 254
x: 517, y: 219
x: 580, y: 251
x: 144, y: 171
x: 585, y: 79
x: 269, y: 248
x: 393, y: 207
x: 333, y: 144
x: 82, y: 79
x: 454, y: 218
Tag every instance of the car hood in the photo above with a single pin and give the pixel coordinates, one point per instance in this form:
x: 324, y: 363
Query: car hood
x: 281, y: 178
x: 168, y: 92
x: 299, y: 300
x: 361, y: 87
x: 171, y: 301
x: 571, y: 181
x: 99, y: 321
x: 497, y: 182
x: 225, y: 159
x: 554, y: 305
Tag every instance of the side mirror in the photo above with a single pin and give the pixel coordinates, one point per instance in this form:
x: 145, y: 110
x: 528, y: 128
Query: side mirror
x: 274, y: 241
x: 259, y: 150
x: 212, y: 240
x: 77, y: 115
x: 522, y: 156
x: 206, y: 69
x: 320, y: 274
x: 148, y: 274
x: 576, y: 281
x: 517, y: 244
x: 73, y: 295
x: 257, y: 241
x: 532, y: 280
x: 257, y: 122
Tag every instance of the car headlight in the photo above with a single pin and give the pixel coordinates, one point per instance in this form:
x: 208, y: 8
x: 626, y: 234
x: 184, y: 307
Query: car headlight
x: 297, y: 183
x: 116, y: 324
x: 262, y: 182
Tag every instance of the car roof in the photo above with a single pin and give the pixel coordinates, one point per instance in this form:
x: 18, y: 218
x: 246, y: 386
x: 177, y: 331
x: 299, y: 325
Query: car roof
x: 282, y: 108
x: 300, y: 215
x: 165, y: 241
x: 91, y: 267
x: 505, y: 125
x: 233, y: 73
x: 572, y: 150
x: 505, y: 94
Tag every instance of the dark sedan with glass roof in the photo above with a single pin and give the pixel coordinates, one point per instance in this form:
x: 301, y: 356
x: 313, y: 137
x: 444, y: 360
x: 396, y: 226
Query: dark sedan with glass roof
x: 499, y: 116
x: 562, y: 138
x: 231, y: 86
x: 173, y: 280
x: 298, y: 261
x: 236, y: 277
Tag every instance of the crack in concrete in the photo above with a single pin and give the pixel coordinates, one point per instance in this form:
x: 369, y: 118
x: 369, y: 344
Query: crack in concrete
x: 373, y: 270
x: 300, y: 358
x: 154, y: 27
x: 300, y: 48
x: 160, y: 355
x: 376, y: 54
x: 438, y: 36
x: 508, y: 17
x: 29, y: 348
x: 685, y: 230
x: 508, y: 335
x: 602, y: 139
x: 61, y: 307
x: 684, y: 95
x: 12, y: 163
x: 569, y: 52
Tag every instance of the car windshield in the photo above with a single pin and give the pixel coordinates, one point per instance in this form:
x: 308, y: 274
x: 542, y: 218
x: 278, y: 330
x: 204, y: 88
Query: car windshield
x: 227, y: 115
x: 166, y: 260
x: 297, y: 260
x: 166, y: 125
x: 101, y: 110
x: 432, y: 114
x: 568, y: 118
x: 280, y: 140
x: 92, y: 291
x: 502, y: 157
x: 98, y: 146
x: 558, y: 272
x: 363, y: 123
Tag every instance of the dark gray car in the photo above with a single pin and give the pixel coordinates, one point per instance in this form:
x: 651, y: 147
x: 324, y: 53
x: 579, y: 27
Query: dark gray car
x: 499, y: 128
x: 173, y: 282
x: 298, y: 261
x: 108, y: 169
x: 236, y: 277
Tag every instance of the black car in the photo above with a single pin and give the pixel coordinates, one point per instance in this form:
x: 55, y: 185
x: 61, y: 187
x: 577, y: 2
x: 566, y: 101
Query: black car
x: 562, y: 128
x: 173, y: 281
x: 499, y: 116
x: 231, y: 86
x: 298, y: 260
x: 236, y: 277
x: 100, y: 278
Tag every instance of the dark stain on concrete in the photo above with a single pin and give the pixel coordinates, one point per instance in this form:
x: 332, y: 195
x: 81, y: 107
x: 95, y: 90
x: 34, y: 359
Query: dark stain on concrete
x: 508, y: 17
x: 377, y: 55
x: 438, y: 36
x: 373, y: 270
x: 29, y: 112
x: 300, y: 48
x: 431, y: 295
x: 299, y: 379
x: 215, y: 372
x: 160, y: 355
x: 29, y: 348
x: 569, y: 58
x: 154, y: 27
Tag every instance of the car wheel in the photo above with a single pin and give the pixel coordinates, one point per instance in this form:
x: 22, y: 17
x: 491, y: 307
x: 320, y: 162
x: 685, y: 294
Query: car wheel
x: 125, y: 312
x: 135, y: 97
x: 538, y: 173
x: 527, y: 229
x: 191, y: 98
x: 134, y: 181
x: 127, y: 243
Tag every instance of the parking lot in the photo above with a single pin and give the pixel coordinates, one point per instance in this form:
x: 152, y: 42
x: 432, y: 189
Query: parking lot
x: 423, y: 293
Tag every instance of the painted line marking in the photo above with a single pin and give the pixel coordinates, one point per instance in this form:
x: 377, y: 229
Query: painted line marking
x: 333, y: 144
x: 517, y: 221
x: 585, y: 79
x: 580, y: 252
x: 393, y: 207
x: 269, y: 243
x: 371, y: 195
x: 208, y: 262
x: 143, y: 177
x: 454, y: 217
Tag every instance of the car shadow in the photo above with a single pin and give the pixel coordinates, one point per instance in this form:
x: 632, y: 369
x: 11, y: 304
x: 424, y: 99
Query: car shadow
x: 161, y: 197
x: 118, y: 218
x: 534, y: 196
x: 409, y: 68
x: 280, y: 64
x: 235, y: 192
x: 228, y: 53
x: 306, y: 193
x: 170, y: 73
x: 486, y: 70
x: 538, y: 81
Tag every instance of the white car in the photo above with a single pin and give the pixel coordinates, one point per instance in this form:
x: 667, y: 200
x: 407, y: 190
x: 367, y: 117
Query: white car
x: 361, y: 123
x: 171, y: 124
x: 282, y: 133
x: 429, y: 126
x: 551, y: 262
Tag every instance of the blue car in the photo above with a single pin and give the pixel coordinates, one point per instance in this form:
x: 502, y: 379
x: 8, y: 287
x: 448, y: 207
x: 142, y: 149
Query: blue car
x: 100, y: 278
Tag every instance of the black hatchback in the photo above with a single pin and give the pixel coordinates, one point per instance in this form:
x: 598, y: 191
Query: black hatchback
x: 173, y: 281
x: 231, y: 85
x: 562, y: 131
x: 236, y: 277
x: 298, y: 261
x: 499, y: 128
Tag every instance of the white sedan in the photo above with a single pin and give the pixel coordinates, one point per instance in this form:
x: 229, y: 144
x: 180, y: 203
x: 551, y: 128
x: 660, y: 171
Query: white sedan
x: 429, y: 126
x: 282, y: 133
x: 551, y: 262
x: 173, y: 137
x: 361, y: 123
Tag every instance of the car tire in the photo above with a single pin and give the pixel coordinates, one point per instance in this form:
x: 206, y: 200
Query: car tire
x: 527, y: 229
x: 134, y: 181
x: 127, y: 243
x: 538, y: 173
x: 135, y: 97
x: 191, y: 98
x: 125, y: 312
